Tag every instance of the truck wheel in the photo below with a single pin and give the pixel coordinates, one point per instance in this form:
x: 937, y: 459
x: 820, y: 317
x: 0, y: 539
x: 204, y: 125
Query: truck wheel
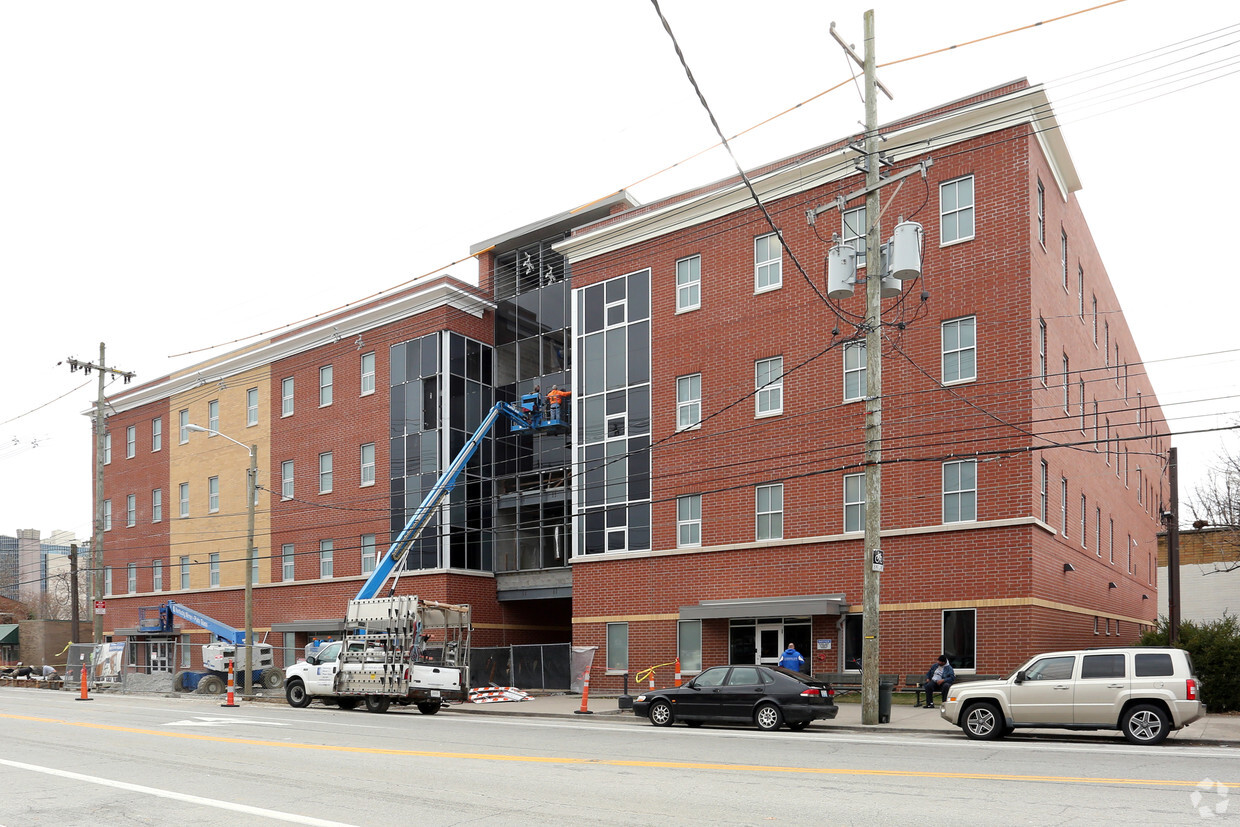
x: 296, y: 695
x: 1145, y: 724
x: 211, y: 685
x: 377, y: 703
x: 273, y: 678
x: 983, y: 722
x: 429, y: 707
x: 178, y: 682
x: 348, y: 703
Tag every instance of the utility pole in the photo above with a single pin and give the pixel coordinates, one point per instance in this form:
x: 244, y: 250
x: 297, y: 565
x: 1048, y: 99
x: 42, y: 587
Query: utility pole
x: 75, y: 609
x: 96, y: 546
x: 250, y: 492
x: 1172, y: 519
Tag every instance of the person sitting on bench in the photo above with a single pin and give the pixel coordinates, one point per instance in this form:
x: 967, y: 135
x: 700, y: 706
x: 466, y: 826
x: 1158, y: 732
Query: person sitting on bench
x: 939, y: 677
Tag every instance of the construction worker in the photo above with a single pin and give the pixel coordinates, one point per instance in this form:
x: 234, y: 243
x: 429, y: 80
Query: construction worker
x: 555, y: 398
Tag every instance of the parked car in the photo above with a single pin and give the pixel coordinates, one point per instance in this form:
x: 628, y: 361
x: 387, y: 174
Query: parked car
x: 1145, y: 692
x: 766, y: 696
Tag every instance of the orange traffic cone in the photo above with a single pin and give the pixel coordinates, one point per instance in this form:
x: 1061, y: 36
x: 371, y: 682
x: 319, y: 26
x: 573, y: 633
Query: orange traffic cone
x: 585, y: 696
x: 678, y: 671
x: 84, y: 696
x: 230, y: 686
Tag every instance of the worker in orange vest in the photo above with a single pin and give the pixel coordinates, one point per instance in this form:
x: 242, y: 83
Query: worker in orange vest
x: 555, y: 398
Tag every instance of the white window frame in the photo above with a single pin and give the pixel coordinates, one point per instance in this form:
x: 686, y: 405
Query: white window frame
x: 768, y: 263
x: 1063, y: 506
x: 688, y: 283
x: 959, y: 325
x: 184, y: 573
x: 1084, y: 522
x: 326, y: 381
x: 854, y: 369
x: 1063, y: 256
x: 769, y: 392
x: 131, y: 441
x: 1041, y: 214
x: 854, y: 503
x: 325, y: 472
x: 769, y: 512
x: 1043, y: 364
x: 689, y: 652
x: 157, y: 505
x: 288, y: 563
x: 689, y: 521
x: 183, y: 499
x: 131, y: 578
x: 157, y: 434
x: 107, y: 449
x: 107, y: 581
x: 213, y: 417
x: 689, y: 402
x: 853, y: 231
x: 131, y: 510
x: 287, y: 396
x: 107, y: 515
x: 287, y: 472
x: 368, y: 465
x: 1044, y: 493
x: 183, y: 426
x: 213, y: 494
x: 213, y: 567
x: 617, y: 648
x: 157, y: 575
x: 368, y: 373
x: 957, y: 211
x: 370, y: 554
x: 251, y: 407
x: 327, y: 565
x: 961, y: 494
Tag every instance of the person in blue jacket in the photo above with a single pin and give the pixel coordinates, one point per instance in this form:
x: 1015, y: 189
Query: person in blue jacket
x: 792, y: 659
x: 939, y: 678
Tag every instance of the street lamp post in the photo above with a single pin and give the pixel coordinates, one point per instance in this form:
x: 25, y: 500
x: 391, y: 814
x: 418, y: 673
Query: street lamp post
x: 251, y: 485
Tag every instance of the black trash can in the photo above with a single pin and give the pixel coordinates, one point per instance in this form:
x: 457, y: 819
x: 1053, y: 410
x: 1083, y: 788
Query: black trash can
x: 884, y: 703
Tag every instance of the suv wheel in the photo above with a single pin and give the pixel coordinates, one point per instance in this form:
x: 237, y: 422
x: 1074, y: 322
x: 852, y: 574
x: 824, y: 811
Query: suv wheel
x: 983, y: 722
x: 1145, y: 724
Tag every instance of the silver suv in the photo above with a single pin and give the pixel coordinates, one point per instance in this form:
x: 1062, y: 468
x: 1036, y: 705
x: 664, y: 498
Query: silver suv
x: 1145, y: 692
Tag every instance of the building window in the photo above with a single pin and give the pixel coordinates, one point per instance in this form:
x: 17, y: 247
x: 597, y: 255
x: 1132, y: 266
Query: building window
x: 187, y: 651
x: 131, y: 441
x: 1098, y: 532
x: 1063, y: 256
x: 1111, y: 540
x: 960, y: 637
x: 1080, y: 294
x: 1044, y: 481
x: 107, y: 580
x: 1041, y: 213
x: 1063, y: 506
x: 157, y: 575
x: 689, y: 283
x: 213, y: 566
x: 769, y: 384
x: 157, y: 505
x: 288, y: 559
x: 1084, y: 523
x: 325, y: 472
x: 1106, y: 345
x: 183, y: 426
x: 959, y: 491
x: 368, y: 373
x: 131, y: 510
x: 286, y: 480
x: 183, y: 498
x: 286, y: 397
x: 617, y: 647
x: 960, y: 350
x: 254, y: 577
x: 1094, y: 317
x: 368, y: 464
x: 1065, y: 382
x: 184, y: 567
x: 689, y: 402
x: 325, y: 558
x: 956, y: 210
x: 213, y: 416
x: 213, y: 494
x: 854, y: 502
x: 251, y: 407
x: 157, y: 434
x: 131, y: 578
x: 689, y: 645
x: 369, y: 556
x: 325, y: 386
x: 853, y: 232
x: 1080, y: 387
x: 689, y: 521
x: 1042, y: 367
x: 107, y: 515
x: 854, y: 371
x: 768, y: 256
x: 770, y: 512
x: 107, y: 449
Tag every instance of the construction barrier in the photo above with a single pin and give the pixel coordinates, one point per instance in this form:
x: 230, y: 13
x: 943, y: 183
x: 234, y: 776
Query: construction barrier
x: 497, y: 694
x: 678, y: 671
x: 585, y: 696
x: 230, y: 701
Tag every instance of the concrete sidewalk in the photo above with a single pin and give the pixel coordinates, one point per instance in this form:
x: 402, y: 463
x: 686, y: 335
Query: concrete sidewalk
x: 1211, y: 729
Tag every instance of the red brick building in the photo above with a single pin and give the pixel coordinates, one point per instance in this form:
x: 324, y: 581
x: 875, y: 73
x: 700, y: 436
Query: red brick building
x: 707, y: 504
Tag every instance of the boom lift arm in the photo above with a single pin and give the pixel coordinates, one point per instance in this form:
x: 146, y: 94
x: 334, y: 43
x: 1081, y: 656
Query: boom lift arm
x: 221, y: 630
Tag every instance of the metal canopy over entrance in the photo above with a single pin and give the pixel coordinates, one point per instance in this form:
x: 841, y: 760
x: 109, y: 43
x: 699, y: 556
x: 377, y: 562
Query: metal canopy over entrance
x: 821, y: 604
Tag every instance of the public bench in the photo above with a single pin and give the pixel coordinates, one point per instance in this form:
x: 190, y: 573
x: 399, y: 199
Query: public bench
x: 845, y: 682
x: 916, y: 682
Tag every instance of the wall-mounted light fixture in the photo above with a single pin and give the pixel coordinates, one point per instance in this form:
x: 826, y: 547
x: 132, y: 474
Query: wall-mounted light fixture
x: 1145, y: 597
x: 1068, y: 567
x: 1112, y: 586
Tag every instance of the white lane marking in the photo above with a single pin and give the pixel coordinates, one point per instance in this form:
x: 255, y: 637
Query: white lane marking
x: 191, y: 799
x: 209, y: 721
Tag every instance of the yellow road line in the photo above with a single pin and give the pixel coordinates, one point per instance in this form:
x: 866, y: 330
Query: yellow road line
x: 611, y: 762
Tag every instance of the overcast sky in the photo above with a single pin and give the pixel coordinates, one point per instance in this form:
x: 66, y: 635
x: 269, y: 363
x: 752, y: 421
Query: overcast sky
x: 177, y: 175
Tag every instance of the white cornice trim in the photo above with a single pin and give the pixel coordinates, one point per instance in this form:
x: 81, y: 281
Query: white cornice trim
x: 457, y: 296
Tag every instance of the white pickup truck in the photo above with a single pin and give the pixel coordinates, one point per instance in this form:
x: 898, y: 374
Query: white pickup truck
x: 398, y: 650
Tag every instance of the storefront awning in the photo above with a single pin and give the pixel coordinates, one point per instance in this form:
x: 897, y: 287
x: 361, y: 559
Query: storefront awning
x: 819, y: 604
x: 8, y: 634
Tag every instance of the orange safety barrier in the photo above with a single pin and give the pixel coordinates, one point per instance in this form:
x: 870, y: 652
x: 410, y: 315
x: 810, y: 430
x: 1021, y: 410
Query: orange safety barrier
x: 85, y: 695
x: 678, y: 671
x: 230, y: 698
x: 585, y: 697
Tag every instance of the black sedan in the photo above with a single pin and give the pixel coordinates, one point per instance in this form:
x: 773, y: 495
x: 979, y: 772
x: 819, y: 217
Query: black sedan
x: 767, y: 696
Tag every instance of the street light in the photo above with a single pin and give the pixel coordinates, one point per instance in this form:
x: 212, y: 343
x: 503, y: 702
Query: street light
x: 251, y: 484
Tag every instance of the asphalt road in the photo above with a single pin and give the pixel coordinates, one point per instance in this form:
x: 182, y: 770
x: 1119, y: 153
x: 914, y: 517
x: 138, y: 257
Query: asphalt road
x: 147, y: 760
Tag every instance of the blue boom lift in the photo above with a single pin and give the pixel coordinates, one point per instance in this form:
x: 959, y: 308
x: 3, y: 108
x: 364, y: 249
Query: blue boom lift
x: 158, y: 620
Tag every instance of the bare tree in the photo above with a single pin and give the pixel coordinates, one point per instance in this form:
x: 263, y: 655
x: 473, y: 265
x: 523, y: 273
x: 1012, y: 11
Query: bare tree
x: 1215, y: 506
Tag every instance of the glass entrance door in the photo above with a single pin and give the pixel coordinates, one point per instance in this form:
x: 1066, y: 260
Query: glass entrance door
x: 770, y: 643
